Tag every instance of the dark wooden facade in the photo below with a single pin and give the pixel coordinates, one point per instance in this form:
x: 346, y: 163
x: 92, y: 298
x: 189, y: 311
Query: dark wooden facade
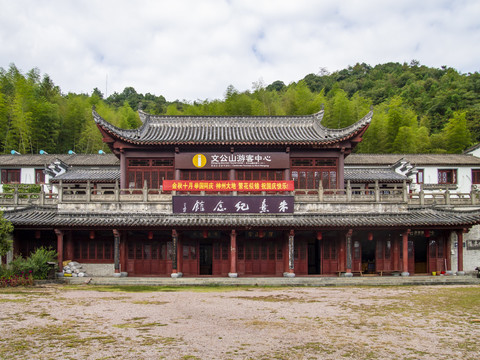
x: 261, y: 244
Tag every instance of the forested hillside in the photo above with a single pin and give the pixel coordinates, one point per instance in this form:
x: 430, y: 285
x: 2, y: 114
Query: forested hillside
x: 416, y: 108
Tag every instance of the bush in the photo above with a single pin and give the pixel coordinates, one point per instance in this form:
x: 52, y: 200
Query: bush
x: 25, y: 189
x: 36, y: 264
x: 10, y: 279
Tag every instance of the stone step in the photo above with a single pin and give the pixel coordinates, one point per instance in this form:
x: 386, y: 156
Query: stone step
x: 274, y: 281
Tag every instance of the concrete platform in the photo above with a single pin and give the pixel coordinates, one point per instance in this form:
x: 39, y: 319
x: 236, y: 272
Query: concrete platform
x: 279, y: 281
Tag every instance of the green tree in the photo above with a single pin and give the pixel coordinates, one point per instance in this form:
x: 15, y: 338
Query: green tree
x: 422, y: 139
x: 375, y: 138
x: 398, y: 116
x: 6, y: 229
x: 405, y: 141
x: 3, y: 120
x: 457, y: 135
x: 339, y: 112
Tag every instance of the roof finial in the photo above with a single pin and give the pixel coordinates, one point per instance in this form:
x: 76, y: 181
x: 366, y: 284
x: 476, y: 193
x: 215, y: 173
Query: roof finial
x: 323, y: 106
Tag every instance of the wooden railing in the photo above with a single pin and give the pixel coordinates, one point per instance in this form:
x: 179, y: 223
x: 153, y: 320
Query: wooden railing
x: 90, y: 194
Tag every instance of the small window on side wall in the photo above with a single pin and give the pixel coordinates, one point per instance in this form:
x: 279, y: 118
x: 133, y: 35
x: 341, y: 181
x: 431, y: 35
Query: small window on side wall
x: 447, y: 176
x: 475, y: 176
x: 39, y: 176
x: 420, y: 178
x: 10, y: 176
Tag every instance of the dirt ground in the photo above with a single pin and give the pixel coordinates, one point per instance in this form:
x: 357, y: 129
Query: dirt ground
x: 86, y: 322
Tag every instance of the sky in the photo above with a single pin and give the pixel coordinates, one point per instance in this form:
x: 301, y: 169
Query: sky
x: 193, y: 50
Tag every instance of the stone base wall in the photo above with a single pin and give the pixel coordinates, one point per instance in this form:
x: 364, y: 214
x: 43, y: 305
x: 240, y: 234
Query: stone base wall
x: 98, y: 269
x: 471, y: 250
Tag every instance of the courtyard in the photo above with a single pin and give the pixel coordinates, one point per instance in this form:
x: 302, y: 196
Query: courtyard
x: 215, y: 322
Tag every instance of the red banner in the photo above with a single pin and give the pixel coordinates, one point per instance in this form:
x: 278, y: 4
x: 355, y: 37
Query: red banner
x: 228, y: 185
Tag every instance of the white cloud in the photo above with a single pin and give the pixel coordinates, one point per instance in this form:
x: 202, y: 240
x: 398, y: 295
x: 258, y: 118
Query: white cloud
x: 195, y: 49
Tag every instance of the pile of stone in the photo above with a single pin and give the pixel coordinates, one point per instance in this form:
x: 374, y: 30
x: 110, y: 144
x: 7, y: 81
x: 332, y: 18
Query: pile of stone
x: 73, y: 269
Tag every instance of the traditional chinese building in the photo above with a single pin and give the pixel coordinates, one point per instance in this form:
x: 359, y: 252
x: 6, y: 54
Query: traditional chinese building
x: 240, y: 196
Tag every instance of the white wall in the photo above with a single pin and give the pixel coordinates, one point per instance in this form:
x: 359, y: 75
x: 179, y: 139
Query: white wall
x: 27, y: 175
x: 430, y: 176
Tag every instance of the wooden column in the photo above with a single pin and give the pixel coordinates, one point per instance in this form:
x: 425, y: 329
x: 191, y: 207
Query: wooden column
x: 175, y: 251
x: 448, y: 254
x: 341, y: 254
x: 123, y: 175
x: 233, y: 255
x: 340, y: 170
x: 69, y: 246
x: 179, y: 255
x: 285, y: 255
x: 348, y: 244
x: 396, y: 254
x: 123, y: 253
x: 59, y: 234
x: 460, y: 253
x: 405, y: 252
x: 291, y: 253
x: 116, y: 252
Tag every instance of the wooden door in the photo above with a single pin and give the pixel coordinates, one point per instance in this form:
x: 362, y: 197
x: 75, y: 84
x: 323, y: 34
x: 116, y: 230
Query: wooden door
x: 189, y: 258
x: 356, y: 256
x: 221, y: 257
x: 330, y: 255
x: 260, y: 257
x: 300, y: 257
x: 411, y: 257
x: 148, y: 258
x: 205, y: 254
x: 436, y: 255
x: 384, y: 255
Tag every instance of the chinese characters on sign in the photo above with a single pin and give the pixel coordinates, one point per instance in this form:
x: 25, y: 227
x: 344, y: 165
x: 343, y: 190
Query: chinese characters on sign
x: 253, y: 160
x: 233, y: 204
x: 473, y: 244
x: 233, y: 185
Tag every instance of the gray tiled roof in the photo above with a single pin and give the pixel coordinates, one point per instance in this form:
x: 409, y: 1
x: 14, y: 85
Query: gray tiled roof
x: 361, y: 175
x: 414, y: 159
x: 83, y: 175
x: 233, y: 130
x: 36, y: 160
x: 48, y: 217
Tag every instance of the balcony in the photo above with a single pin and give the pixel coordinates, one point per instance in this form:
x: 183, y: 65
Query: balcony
x: 322, y: 198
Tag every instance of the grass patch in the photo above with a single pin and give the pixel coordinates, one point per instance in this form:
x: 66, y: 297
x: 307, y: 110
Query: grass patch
x: 160, y: 340
x: 155, y: 288
x: 276, y: 298
x: 136, y: 323
x: 149, y: 302
x: 22, y: 300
